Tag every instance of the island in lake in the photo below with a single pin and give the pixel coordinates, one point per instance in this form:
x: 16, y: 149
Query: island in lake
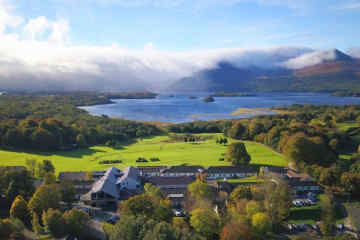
x: 346, y: 94
x: 209, y: 99
x: 232, y: 94
x: 130, y: 95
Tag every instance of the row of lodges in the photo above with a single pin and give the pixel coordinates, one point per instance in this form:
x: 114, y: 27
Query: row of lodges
x: 114, y: 185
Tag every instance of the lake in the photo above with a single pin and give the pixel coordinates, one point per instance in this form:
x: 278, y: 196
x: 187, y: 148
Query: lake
x: 177, y: 107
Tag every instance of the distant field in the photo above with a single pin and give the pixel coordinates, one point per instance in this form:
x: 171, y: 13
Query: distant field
x: 170, y: 153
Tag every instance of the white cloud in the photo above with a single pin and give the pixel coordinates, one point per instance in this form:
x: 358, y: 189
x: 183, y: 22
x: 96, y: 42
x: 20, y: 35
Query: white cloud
x: 309, y: 59
x: 45, y: 59
x: 37, y: 27
x: 7, y: 19
x: 175, y: 3
x: 355, y: 52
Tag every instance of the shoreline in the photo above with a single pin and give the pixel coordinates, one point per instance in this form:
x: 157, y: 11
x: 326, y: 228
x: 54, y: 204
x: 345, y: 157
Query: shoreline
x: 259, y: 111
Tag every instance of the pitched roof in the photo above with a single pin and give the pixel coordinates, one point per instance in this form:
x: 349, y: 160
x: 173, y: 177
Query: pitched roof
x: 231, y: 169
x: 129, y: 172
x: 72, y: 176
x: 163, y: 181
x: 184, y: 169
x: 150, y: 168
x: 107, y: 183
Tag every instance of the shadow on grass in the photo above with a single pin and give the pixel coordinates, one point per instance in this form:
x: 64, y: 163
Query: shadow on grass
x: 305, y: 214
x: 76, y: 153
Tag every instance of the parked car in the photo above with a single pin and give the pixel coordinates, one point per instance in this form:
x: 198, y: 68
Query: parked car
x: 113, y: 220
x: 340, y: 226
x: 178, y: 213
x: 314, y: 226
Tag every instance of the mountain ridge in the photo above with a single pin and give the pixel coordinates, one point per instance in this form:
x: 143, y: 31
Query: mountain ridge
x: 337, y: 71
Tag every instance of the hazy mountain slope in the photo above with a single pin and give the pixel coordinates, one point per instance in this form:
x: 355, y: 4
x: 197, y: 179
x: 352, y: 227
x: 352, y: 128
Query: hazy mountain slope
x: 339, y: 72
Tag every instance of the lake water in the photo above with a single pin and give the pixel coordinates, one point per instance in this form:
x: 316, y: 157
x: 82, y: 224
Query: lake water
x: 177, y: 107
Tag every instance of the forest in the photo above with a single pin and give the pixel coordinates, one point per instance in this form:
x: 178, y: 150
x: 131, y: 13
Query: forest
x: 54, y: 122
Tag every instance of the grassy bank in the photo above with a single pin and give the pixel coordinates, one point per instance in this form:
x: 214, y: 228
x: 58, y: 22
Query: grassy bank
x: 204, y: 153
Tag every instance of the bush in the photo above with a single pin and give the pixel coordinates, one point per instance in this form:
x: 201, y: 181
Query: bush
x: 155, y: 159
x: 110, y: 161
x: 141, y: 159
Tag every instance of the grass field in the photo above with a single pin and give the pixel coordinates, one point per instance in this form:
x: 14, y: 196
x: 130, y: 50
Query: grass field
x: 312, y: 214
x: 204, y: 153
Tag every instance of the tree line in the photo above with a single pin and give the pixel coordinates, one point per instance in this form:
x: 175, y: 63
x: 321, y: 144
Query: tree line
x: 54, y: 122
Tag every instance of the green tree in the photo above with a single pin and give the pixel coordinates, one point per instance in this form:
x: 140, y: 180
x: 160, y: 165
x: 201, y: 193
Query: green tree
x: 68, y: 192
x: 31, y: 166
x: 45, y: 197
x: 255, y: 128
x: 327, y: 214
x: 199, y: 190
x: 19, y: 209
x: 81, y: 140
x: 77, y: 222
x: 161, y: 231
x: 261, y: 223
x: 36, y: 223
x: 44, y: 167
x: 49, y: 178
x: 252, y: 208
x: 6, y: 228
x: 236, y: 154
x: 205, y: 222
x: 237, y: 131
x: 54, y: 223
x: 139, y: 205
x: 128, y: 228
x: 240, y: 192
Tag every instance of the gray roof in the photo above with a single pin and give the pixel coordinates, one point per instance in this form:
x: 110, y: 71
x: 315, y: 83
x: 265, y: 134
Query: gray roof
x: 184, y: 169
x: 129, y: 172
x: 72, y: 176
x: 107, y: 183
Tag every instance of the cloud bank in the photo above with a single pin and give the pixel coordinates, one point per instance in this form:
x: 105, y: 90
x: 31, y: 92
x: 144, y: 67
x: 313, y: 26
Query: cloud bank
x: 37, y: 54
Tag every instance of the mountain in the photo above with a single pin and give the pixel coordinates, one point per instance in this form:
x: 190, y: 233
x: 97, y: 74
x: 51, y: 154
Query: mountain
x: 333, y: 70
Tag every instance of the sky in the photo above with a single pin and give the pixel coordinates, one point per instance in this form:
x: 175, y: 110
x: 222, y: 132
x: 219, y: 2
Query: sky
x: 72, y: 44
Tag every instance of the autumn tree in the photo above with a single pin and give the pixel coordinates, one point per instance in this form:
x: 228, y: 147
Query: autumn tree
x: 236, y: 154
x: 19, y: 209
x: 236, y: 230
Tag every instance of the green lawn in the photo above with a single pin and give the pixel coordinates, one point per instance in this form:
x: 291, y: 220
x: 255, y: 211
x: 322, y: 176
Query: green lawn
x: 312, y: 214
x: 170, y: 153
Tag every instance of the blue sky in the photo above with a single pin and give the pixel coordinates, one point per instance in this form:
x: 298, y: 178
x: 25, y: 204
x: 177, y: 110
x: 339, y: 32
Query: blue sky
x: 203, y: 24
